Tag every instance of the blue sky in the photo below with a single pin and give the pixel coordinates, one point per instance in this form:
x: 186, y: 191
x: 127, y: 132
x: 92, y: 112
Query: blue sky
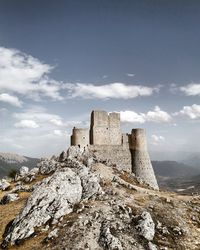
x: 61, y: 59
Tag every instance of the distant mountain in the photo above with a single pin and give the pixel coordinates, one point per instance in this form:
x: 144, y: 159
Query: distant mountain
x: 10, y: 162
x: 176, y: 176
x: 189, y: 158
x: 174, y: 169
x: 193, y: 160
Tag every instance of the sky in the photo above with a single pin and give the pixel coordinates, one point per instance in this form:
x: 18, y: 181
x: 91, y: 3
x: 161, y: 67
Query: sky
x: 61, y: 59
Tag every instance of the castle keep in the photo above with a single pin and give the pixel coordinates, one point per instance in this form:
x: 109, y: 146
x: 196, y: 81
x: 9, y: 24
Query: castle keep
x: 127, y: 151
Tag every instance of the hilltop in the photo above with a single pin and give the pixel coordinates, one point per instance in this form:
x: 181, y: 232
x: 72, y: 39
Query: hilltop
x: 77, y: 202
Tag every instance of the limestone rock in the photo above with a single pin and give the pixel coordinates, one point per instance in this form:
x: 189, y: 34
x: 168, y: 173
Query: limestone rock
x: 47, y: 166
x: 26, y: 175
x: 9, y: 198
x: 21, y: 188
x: 34, y: 171
x: 23, y: 171
x: 107, y: 240
x: 4, y: 185
x: 51, y: 199
x: 146, y: 226
x: 53, y: 234
x: 74, y: 152
x: 152, y: 246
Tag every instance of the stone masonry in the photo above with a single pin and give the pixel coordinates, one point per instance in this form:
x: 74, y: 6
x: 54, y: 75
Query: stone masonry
x: 105, y: 140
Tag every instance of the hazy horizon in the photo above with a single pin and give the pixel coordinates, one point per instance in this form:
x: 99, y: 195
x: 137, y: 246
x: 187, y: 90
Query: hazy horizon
x: 59, y: 60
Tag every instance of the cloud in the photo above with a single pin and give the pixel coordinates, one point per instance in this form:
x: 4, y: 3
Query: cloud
x: 193, y: 112
x: 58, y: 132
x: 38, y: 114
x: 130, y: 74
x: 12, y: 100
x: 157, y: 115
x: 107, y: 91
x: 131, y: 117
x: 23, y: 74
x: 157, y: 139
x: 57, y: 122
x: 192, y: 89
x: 26, y: 124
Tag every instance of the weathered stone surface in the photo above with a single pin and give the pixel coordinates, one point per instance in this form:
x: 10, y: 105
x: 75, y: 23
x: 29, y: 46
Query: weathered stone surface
x: 152, y: 246
x: 4, y: 184
x: 25, y: 175
x: 34, y: 171
x: 47, y: 166
x: 9, y: 198
x: 146, y: 226
x: 107, y: 240
x: 74, y: 152
x: 23, y: 171
x: 21, y: 188
x: 52, y: 199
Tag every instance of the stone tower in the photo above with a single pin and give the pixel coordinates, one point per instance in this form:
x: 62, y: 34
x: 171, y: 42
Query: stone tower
x: 80, y: 136
x: 105, y: 128
x: 141, y: 163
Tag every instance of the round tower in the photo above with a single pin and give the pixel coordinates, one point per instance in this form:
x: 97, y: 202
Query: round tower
x: 80, y: 137
x: 141, y: 162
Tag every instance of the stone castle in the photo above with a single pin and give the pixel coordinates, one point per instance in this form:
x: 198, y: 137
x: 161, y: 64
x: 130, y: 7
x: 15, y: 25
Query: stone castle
x: 127, y: 152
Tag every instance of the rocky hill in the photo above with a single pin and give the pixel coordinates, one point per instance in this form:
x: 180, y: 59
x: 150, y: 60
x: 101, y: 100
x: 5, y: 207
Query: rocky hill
x: 9, y: 161
x: 75, y: 201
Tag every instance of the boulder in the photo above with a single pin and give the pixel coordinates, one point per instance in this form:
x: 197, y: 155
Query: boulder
x: 23, y: 171
x: 146, y: 226
x: 107, y: 240
x: 47, y: 166
x: 9, y: 198
x: 4, y: 184
x: 54, y: 197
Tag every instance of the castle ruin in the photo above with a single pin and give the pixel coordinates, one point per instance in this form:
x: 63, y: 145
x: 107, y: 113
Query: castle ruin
x: 127, y: 151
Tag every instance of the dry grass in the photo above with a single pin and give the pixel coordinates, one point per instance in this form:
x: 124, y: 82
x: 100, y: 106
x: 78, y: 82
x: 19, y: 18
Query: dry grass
x: 9, y: 211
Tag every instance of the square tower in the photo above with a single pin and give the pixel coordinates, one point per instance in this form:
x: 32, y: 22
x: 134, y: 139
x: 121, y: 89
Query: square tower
x: 105, y: 128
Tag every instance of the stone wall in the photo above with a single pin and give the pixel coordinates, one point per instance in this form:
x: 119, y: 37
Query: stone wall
x: 116, y: 155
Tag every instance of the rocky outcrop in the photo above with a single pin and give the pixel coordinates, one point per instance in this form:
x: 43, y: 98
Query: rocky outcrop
x: 107, y: 240
x: 53, y: 198
x: 25, y: 175
x: 47, y: 166
x: 4, y: 184
x: 146, y: 226
x: 9, y: 198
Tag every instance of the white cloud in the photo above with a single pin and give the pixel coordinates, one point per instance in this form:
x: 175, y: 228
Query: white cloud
x: 132, y: 117
x: 157, y: 139
x: 192, y: 89
x: 193, y: 112
x: 23, y: 74
x: 157, y: 115
x: 12, y: 100
x: 58, y: 132
x: 38, y: 114
x: 130, y: 74
x: 26, y: 124
x: 107, y: 91
x: 57, y: 122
